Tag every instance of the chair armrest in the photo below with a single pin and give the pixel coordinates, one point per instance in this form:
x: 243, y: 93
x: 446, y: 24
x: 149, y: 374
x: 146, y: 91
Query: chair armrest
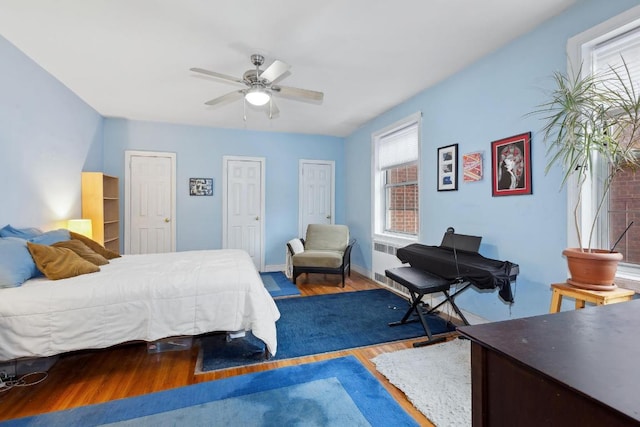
x: 346, y: 256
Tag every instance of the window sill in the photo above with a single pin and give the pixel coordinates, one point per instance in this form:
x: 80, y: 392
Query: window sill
x: 628, y: 283
x: 394, y: 239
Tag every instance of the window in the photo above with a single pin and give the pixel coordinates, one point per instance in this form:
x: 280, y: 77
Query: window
x: 401, y: 199
x: 396, y: 179
x: 624, y: 198
x: 599, y: 49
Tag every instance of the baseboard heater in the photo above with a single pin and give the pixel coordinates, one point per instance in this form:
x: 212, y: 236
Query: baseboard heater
x: 384, y: 257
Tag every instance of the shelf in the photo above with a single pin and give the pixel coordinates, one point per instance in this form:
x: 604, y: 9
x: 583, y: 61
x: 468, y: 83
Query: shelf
x: 101, y: 204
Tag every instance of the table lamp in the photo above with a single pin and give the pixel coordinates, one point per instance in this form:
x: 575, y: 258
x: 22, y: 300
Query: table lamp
x: 81, y: 226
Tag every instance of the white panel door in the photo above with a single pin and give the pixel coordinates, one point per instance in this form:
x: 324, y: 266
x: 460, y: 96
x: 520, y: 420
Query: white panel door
x: 151, y: 211
x: 316, y: 194
x: 244, y: 207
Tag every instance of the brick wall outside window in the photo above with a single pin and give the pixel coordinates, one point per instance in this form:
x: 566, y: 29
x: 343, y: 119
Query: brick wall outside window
x: 403, y: 200
x: 624, y: 207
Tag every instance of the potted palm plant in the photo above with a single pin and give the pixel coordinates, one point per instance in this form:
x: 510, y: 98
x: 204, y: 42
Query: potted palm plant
x: 589, y: 120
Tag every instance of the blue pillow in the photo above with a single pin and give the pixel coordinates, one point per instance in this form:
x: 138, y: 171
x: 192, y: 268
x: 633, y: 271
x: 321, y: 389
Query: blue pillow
x: 22, y: 233
x: 16, y: 263
x: 51, y: 237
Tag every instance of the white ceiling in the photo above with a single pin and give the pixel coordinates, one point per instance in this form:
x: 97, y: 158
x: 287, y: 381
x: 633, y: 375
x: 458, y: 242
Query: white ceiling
x: 131, y: 58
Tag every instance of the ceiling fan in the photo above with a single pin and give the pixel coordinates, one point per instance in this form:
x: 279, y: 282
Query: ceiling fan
x: 261, y: 86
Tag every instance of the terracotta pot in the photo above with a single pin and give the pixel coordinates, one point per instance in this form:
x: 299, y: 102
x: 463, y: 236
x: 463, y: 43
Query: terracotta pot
x: 595, y: 269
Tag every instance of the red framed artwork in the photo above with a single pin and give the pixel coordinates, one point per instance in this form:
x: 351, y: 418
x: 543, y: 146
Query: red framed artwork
x: 511, y: 165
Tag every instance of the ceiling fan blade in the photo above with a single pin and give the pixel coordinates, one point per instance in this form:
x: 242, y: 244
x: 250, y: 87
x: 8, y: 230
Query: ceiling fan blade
x: 218, y: 75
x: 273, y: 112
x: 231, y: 96
x: 294, y: 92
x: 275, y: 70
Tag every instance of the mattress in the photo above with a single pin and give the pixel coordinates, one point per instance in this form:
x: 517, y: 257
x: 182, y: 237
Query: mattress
x: 138, y: 297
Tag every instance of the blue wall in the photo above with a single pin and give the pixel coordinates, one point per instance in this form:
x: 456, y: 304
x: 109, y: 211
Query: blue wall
x: 485, y: 102
x: 199, y: 152
x: 47, y: 137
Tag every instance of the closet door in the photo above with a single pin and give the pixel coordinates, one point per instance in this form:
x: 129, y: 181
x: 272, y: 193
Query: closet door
x: 243, y: 213
x: 151, y: 203
x: 316, y: 193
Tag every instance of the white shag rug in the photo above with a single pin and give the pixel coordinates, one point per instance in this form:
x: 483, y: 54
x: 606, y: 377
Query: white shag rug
x: 435, y: 378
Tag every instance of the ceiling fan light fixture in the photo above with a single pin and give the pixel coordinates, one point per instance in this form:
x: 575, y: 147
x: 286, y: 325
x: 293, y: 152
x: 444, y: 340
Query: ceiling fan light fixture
x: 257, y: 96
x: 259, y: 87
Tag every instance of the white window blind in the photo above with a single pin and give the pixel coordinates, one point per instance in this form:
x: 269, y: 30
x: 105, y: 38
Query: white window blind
x: 398, y: 147
x: 609, y: 55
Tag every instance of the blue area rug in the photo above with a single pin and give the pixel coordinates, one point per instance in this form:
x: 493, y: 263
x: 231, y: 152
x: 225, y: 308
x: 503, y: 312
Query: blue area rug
x: 336, y: 392
x: 321, y: 324
x: 278, y: 285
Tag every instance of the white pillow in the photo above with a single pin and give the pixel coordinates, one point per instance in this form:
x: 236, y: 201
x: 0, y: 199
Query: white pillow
x: 296, y: 246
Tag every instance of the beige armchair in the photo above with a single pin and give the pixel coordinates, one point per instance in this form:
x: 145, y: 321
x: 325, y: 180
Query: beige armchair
x: 326, y: 249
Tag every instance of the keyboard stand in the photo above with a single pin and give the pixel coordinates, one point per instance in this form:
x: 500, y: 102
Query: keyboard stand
x: 420, y: 283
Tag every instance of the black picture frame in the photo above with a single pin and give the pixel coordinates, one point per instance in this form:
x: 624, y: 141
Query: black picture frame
x: 511, y: 165
x: 201, y: 186
x: 448, y: 168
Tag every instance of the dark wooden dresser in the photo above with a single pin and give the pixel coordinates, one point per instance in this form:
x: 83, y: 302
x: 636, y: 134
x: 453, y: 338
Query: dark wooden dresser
x: 573, y: 368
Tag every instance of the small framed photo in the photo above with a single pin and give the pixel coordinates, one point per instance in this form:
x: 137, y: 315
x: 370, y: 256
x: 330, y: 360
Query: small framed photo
x: 511, y: 165
x: 201, y: 186
x: 448, y: 168
x: 472, y: 167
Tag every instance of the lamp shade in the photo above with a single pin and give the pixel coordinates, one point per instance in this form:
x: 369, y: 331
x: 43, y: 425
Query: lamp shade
x: 257, y: 96
x: 81, y: 226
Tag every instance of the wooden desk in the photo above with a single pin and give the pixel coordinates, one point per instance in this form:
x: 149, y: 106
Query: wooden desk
x: 585, y: 295
x: 573, y: 368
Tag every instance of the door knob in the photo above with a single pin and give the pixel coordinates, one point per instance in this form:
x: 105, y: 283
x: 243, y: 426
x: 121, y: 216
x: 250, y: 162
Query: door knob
x: 167, y: 220
x: 328, y: 216
x: 257, y: 218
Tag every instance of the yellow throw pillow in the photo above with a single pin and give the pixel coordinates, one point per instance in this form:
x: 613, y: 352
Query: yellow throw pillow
x: 94, y: 246
x: 83, y: 251
x: 59, y: 263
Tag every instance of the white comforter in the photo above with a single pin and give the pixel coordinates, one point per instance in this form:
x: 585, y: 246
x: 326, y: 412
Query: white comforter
x: 138, y: 297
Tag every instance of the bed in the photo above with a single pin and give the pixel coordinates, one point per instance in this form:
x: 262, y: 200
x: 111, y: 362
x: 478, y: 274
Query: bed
x: 137, y: 297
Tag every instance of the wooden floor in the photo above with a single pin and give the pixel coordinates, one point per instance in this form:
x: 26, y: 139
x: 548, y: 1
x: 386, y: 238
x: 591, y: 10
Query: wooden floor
x: 91, y: 377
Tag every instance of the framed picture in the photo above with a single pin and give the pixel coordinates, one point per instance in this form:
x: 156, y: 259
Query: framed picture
x: 448, y: 168
x: 201, y: 186
x: 472, y: 167
x: 511, y: 165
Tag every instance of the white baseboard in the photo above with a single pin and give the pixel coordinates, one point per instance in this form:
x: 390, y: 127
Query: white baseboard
x: 446, y: 310
x: 362, y: 271
x: 275, y: 267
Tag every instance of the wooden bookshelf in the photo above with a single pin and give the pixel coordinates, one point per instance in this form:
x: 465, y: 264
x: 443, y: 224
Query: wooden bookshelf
x: 101, y: 204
